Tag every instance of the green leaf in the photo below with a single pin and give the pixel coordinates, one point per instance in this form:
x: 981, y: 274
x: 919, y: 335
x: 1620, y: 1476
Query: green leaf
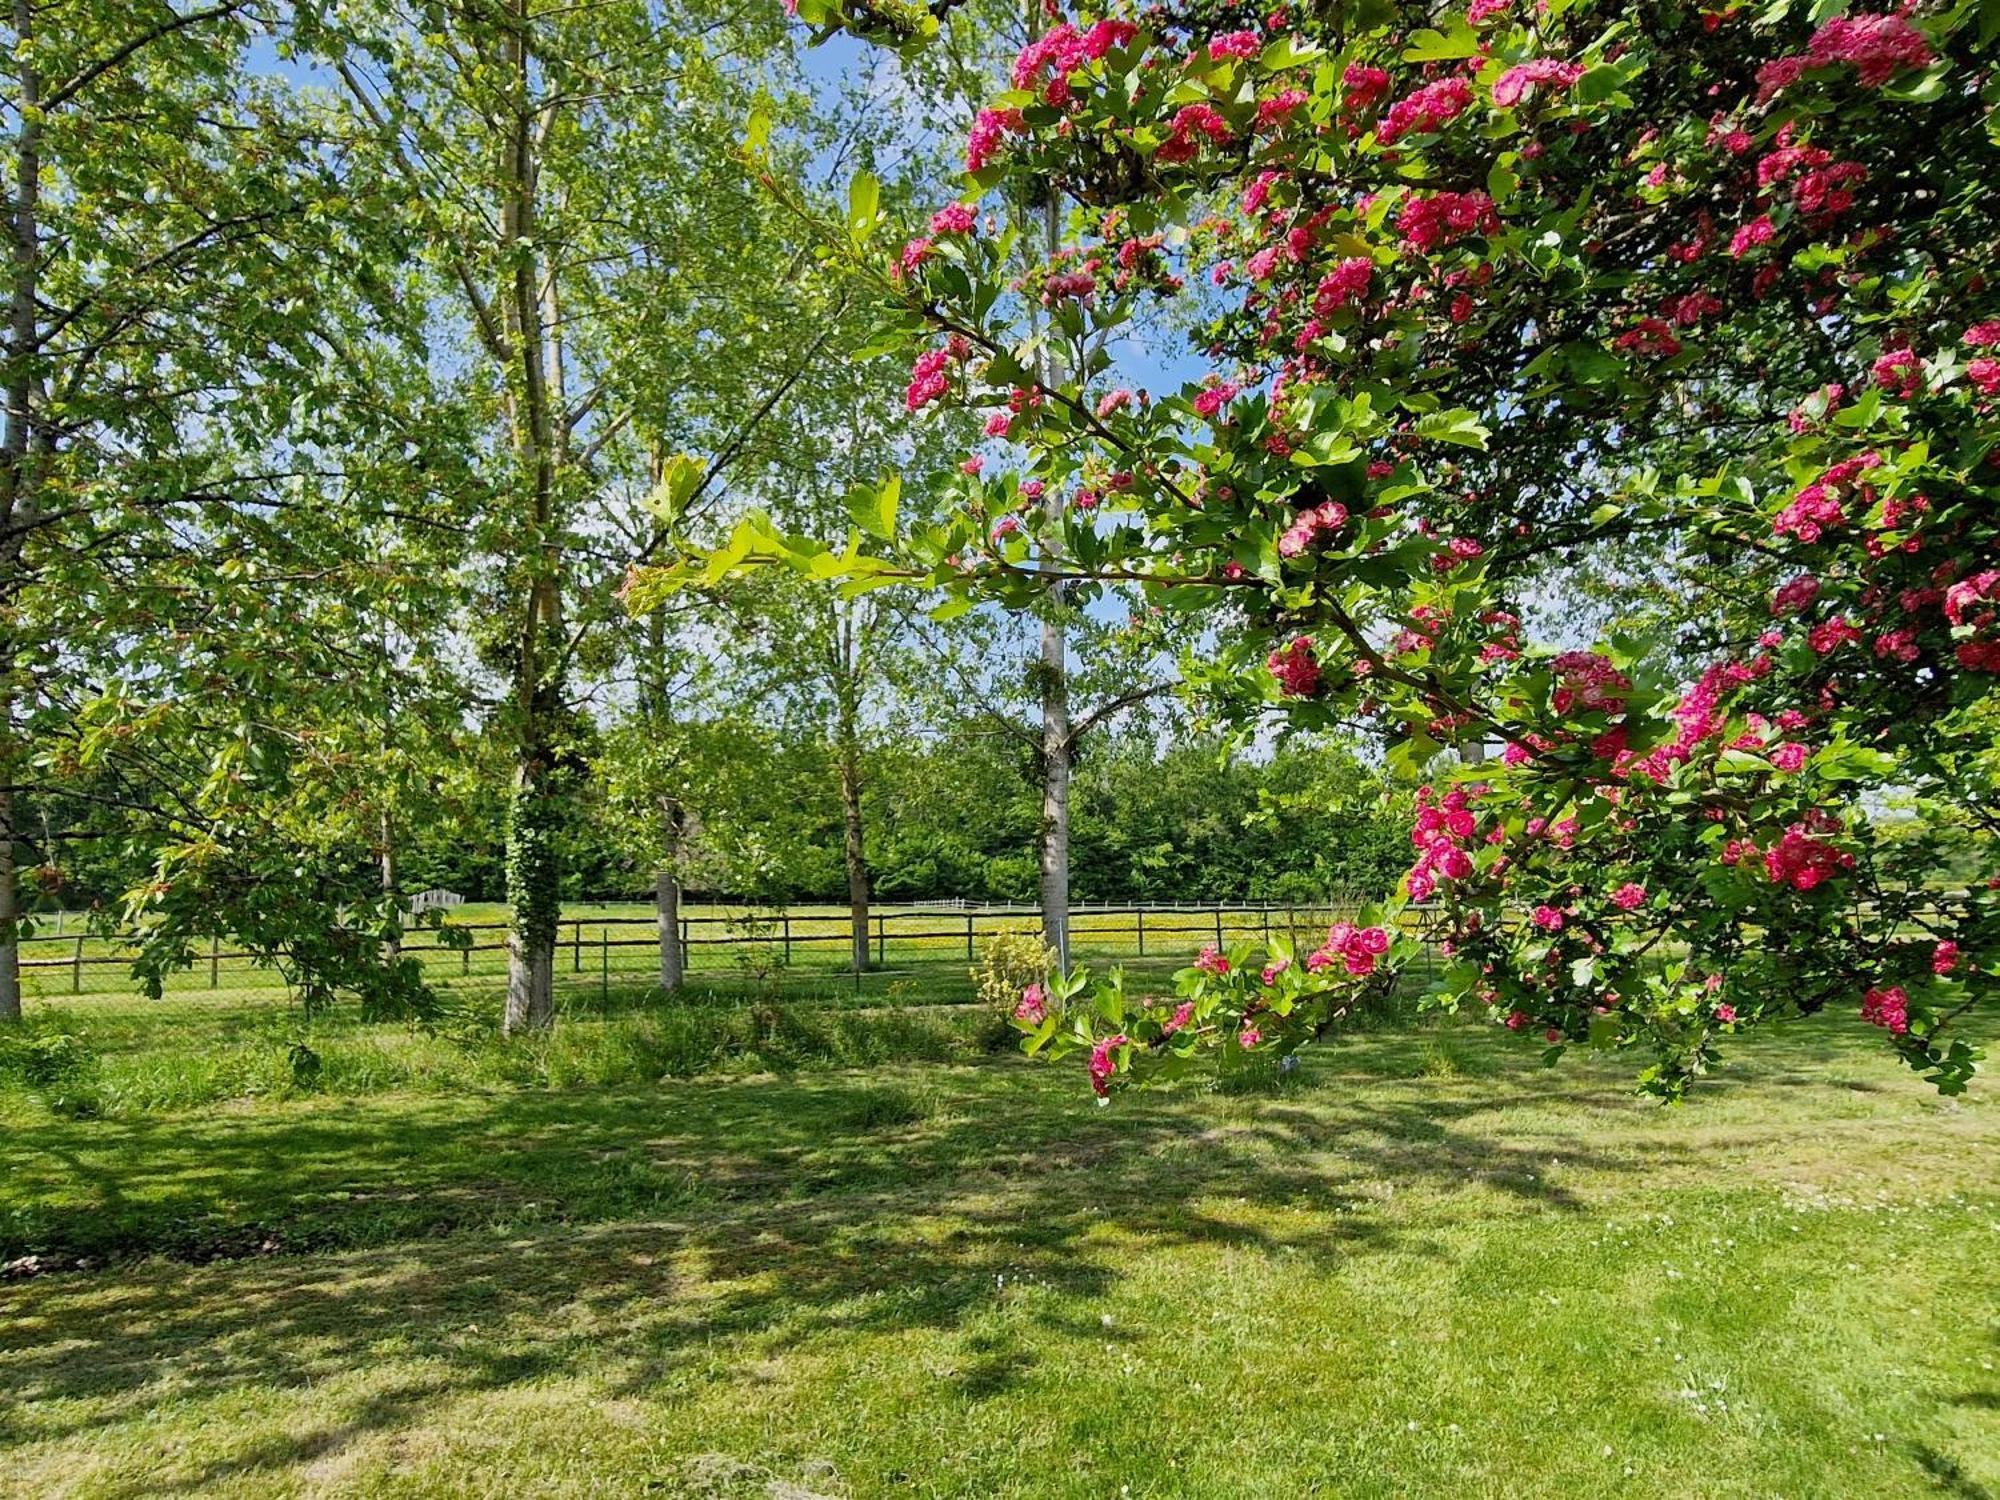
x: 873, y: 507
x: 864, y: 202
x: 1457, y: 426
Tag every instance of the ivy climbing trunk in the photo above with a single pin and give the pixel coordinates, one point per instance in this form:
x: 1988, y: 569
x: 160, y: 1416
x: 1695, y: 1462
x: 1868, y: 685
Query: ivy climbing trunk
x: 18, y: 501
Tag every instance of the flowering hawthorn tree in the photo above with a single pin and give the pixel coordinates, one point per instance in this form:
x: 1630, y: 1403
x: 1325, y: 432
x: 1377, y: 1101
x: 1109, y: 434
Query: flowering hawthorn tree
x: 1485, y: 291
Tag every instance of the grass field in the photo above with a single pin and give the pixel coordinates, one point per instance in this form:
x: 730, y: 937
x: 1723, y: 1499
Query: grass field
x: 860, y: 1254
x: 598, y: 943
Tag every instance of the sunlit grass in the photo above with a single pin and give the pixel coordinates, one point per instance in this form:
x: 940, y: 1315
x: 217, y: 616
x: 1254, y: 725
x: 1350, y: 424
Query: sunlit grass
x: 1421, y: 1265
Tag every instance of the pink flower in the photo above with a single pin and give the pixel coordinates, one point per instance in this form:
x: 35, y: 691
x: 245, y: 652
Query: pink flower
x: 1888, y: 1008
x: 1295, y: 667
x: 1944, y: 957
x: 1547, y: 918
x: 1213, y: 398
x: 1211, y: 961
x: 1759, y: 231
x: 1900, y: 373
x: 1425, y: 111
x: 958, y: 218
x: 1235, y: 44
x: 1428, y: 223
x: 1726, y: 1014
x: 1249, y: 1037
x: 1180, y: 1018
x: 1796, y: 595
x: 1790, y: 756
x: 989, y: 133
x: 1516, y: 1020
x: 1274, y: 968
x: 1512, y: 85
x: 998, y: 424
x: 1278, y: 106
x: 1983, y: 335
x: 928, y: 380
x: 1102, y: 1065
x: 1033, y: 1007
x: 1363, y: 85
x: 1629, y: 896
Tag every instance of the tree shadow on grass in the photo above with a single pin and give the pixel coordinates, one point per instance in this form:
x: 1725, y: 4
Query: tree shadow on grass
x: 772, y: 1227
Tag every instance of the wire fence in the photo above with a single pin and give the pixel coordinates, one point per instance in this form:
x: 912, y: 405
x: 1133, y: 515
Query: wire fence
x: 811, y: 947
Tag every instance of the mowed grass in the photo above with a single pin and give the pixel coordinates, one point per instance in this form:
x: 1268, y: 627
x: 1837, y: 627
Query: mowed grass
x: 1423, y: 1265
x: 800, y: 946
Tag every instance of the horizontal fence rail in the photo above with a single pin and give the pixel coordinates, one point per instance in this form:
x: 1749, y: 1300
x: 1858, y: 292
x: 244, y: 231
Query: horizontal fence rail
x: 753, y: 944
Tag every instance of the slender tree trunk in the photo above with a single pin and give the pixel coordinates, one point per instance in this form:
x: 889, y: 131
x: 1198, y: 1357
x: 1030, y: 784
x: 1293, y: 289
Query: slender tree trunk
x: 1056, y: 753
x: 393, y: 949
x: 857, y: 861
x: 667, y: 899
x: 534, y: 876
x: 1057, y: 747
x: 17, y: 466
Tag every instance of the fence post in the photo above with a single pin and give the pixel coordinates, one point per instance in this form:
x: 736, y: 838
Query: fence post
x: 788, y: 939
x: 687, y: 953
x: 76, y: 972
x: 214, y: 960
x: 968, y: 937
x: 881, y: 940
x: 1218, y: 928
x: 1267, y: 924
x: 576, y: 947
x: 604, y: 965
x: 465, y: 959
x: 1142, y: 930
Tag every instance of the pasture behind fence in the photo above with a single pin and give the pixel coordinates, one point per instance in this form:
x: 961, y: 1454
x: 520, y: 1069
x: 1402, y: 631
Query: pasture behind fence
x: 758, y: 946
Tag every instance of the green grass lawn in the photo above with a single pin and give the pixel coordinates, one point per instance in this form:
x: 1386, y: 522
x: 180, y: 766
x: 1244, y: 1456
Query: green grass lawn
x: 1425, y: 1265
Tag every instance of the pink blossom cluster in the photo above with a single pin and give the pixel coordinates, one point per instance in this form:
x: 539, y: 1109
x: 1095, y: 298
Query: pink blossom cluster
x: 1345, y: 283
x: 990, y: 130
x: 1888, y: 1008
x: 1426, y: 111
x: 1061, y: 51
x: 1877, y: 47
x: 1034, y: 1006
x: 1329, y: 516
x: 1588, y: 680
x: 955, y: 218
x: 1211, y: 961
x: 1244, y: 44
x: 1439, y: 830
x: 928, y: 378
x: 1103, y: 1065
x: 1357, y: 949
x: 1191, y: 125
x: 1512, y: 86
x: 1363, y: 85
x: 1795, y: 595
x: 1944, y: 957
x: 1296, y: 668
x: 1428, y: 223
x: 1649, y: 336
x: 1803, y: 858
